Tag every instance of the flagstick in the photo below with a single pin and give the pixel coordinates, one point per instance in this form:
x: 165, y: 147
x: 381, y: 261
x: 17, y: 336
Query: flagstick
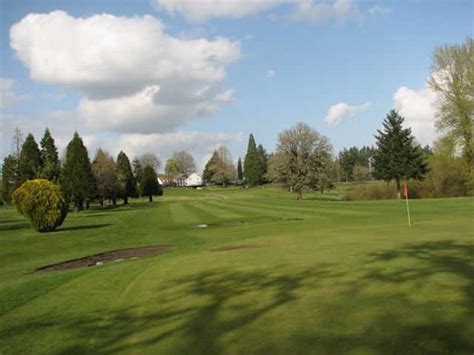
x: 408, y: 209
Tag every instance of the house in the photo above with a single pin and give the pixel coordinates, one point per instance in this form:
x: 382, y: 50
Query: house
x: 192, y: 180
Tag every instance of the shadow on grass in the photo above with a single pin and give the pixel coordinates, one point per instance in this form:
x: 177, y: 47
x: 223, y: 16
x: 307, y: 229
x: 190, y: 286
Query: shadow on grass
x: 86, y: 227
x: 9, y: 226
x: 226, y: 304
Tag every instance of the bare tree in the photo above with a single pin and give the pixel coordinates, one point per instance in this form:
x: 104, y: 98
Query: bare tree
x: 303, y: 160
x: 184, y: 162
x: 149, y: 159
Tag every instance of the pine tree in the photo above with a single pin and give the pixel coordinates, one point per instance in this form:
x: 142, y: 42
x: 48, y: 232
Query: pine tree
x: 137, y: 174
x: 240, y: 173
x: 149, y: 184
x: 126, y: 178
x: 77, y: 180
x: 30, y: 164
x: 253, y: 169
x: 106, y: 177
x: 51, y: 168
x: 9, y: 177
x: 398, y: 156
x: 209, y: 168
x: 264, y: 159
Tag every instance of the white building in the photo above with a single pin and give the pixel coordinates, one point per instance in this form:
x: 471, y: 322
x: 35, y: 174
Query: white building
x: 192, y: 180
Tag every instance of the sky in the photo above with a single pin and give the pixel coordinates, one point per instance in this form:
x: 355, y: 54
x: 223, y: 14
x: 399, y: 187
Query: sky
x: 165, y: 75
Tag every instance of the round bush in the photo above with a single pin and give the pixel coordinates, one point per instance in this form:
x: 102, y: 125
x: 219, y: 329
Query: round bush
x: 42, y: 202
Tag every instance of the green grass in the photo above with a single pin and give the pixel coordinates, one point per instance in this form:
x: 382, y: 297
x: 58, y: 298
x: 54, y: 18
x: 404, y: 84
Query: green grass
x: 348, y: 277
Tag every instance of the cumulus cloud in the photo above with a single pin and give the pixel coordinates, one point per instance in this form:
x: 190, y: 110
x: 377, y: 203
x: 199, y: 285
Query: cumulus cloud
x: 203, y: 10
x: 8, y: 96
x: 418, y: 108
x: 135, y: 77
x: 150, y: 110
x: 341, y: 111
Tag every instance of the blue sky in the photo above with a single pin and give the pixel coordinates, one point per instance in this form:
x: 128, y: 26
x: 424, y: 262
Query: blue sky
x: 216, y: 71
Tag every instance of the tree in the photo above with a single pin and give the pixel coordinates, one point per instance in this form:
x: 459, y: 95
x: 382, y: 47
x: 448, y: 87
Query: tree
x: 264, y: 159
x: 453, y: 79
x: 253, y: 165
x: 184, y: 162
x: 171, y: 170
x: 349, y: 158
x: 137, y: 173
x: 77, y: 179
x: 9, y: 177
x: 106, y: 177
x: 398, y: 156
x: 30, y: 164
x: 17, y: 142
x: 127, y: 182
x: 149, y: 184
x: 303, y: 160
x: 220, y: 168
x: 149, y: 159
x: 51, y: 168
x: 240, y: 173
x: 42, y: 202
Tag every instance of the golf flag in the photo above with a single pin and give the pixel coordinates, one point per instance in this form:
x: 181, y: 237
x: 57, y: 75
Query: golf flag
x: 405, y: 194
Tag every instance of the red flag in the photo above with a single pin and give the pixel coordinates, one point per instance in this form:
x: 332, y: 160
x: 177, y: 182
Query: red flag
x: 405, y: 191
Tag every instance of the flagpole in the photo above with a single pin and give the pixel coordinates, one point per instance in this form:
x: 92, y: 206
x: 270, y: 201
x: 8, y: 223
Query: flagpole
x: 408, y: 207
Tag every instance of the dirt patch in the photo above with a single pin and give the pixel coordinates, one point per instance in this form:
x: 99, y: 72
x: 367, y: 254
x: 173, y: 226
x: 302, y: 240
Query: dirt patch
x: 99, y: 259
x: 237, y: 247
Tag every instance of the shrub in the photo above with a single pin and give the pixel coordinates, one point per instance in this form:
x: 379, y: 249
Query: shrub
x: 376, y: 190
x: 41, y: 201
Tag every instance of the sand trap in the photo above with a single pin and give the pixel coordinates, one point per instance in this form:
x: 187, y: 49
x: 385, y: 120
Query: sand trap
x: 99, y: 259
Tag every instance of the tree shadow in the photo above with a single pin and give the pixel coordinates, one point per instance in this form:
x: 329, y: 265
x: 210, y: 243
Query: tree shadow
x: 201, y: 310
x: 9, y: 226
x: 86, y: 227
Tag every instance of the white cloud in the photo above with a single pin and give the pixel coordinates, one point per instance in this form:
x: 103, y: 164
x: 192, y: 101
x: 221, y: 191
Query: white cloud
x: 377, y: 9
x: 203, y: 10
x: 418, y: 108
x: 320, y: 13
x: 270, y: 74
x: 340, y: 111
x: 310, y: 11
x: 119, y: 63
x: 8, y: 96
x: 151, y: 111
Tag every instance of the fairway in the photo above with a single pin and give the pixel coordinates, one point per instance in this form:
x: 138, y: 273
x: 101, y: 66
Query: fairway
x: 245, y: 271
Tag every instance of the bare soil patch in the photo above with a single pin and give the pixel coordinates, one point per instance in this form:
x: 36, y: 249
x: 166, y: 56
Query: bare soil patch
x: 237, y: 247
x: 99, y: 259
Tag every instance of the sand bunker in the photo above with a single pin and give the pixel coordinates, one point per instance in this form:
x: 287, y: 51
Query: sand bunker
x: 99, y: 259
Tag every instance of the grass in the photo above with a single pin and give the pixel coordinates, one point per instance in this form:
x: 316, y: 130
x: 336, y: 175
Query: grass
x: 315, y: 276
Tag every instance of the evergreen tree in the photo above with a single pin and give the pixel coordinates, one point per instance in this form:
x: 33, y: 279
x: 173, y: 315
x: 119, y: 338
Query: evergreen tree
x: 51, y: 168
x: 137, y: 173
x: 106, y: 177
x: 126, y: 178
x: 77, y: 179
x: 253, y: 169
x: 9, y: 177
x: 398, y: 156
x: 149, y: 184
x: 264, y: 159
x: 30, y: 164
x: 240, y: 173
x: 220, y: 168
x: 209, y: 168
